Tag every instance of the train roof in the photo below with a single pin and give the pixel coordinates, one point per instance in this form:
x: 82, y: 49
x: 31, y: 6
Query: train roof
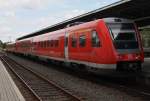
x: 69, y: 27
x: 10, y: 43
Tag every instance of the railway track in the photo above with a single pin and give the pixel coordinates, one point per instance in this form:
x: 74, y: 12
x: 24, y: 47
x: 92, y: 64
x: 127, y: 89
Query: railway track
x: 115, y: 84
x: 41, y: 88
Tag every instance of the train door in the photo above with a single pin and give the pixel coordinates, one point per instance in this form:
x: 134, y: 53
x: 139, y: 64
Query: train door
x: 66, y: 46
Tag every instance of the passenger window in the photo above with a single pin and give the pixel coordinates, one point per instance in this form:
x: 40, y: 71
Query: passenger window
x: 74, y: 41
x: 82, y: 41
x: 47, y: 44
x: 51, y: 43
x: 56, y: 43
x: 42, y: 44
x: 95, y: 39
x: 34, y: 43
x: 39, y: 44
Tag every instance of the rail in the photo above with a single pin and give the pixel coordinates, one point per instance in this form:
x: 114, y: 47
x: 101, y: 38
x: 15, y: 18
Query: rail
x: 41, y: 87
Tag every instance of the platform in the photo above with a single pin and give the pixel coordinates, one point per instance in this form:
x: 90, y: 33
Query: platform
x: 146, y: 65
x: 8, y: 89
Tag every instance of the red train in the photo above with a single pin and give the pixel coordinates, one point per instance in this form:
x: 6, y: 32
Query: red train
x: 108, y: 43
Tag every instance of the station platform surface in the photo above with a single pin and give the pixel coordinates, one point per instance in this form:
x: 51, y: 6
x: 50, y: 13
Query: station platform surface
x: 146, y: 65
x: 8, y: 89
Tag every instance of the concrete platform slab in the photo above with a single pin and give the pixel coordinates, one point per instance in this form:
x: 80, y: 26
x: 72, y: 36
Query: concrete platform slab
x: 146, y: 65
x: 8, y: 89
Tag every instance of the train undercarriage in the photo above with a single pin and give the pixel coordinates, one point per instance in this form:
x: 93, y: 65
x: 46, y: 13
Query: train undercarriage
x: 129, y: 66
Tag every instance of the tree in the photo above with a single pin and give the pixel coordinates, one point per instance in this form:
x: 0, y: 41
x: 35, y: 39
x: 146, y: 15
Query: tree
x: 1, y: 44
x: 146, y: 37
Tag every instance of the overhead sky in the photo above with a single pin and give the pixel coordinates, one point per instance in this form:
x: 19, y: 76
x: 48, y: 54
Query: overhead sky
x: 21, y: 17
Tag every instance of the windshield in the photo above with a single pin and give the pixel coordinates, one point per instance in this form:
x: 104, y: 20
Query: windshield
x: 124, y: 35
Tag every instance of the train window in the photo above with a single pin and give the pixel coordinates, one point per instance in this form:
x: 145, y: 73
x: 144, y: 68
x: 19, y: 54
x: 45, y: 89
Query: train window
x: 51, y: 43
x: 74, y: 41
x: 39, y: 44
x: 95, y: 39
x: 56, y: 43
x: 44, y: 44
x: 82, y: 41
x: 47, y: 43
x: 34, y: 43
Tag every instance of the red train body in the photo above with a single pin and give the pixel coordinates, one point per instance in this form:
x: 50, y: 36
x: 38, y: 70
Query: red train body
x: 109, y: 43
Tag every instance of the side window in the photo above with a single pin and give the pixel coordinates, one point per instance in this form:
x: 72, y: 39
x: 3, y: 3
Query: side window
x: 45, y: 44
x: 34, y: 43
x: 95, y: 39
x: 82, y: 41
x: 56, y: 43
x: 42, y: 44
x: 74, y: 41
x: 51, y: 43
x: 38, y: 44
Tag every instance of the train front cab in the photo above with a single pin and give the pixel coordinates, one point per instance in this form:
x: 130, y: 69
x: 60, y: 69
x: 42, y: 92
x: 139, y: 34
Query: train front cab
x: 127, y: 44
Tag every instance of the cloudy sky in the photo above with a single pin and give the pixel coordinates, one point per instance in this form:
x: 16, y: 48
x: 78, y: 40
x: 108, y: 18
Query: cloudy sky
x: 21, y: 17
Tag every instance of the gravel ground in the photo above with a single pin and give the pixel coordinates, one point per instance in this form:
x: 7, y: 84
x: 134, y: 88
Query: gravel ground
x: 84, y: 88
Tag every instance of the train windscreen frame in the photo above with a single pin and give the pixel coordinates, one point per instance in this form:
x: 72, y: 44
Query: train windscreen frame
x: 124, y: 35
